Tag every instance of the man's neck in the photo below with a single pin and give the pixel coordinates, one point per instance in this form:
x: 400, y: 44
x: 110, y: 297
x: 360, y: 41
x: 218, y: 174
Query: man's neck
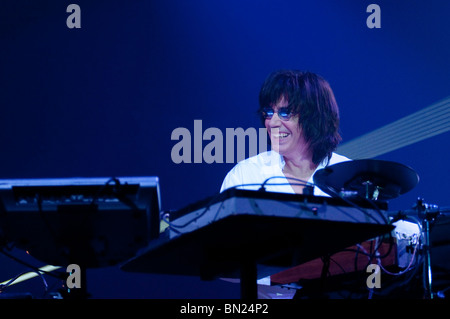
x: 299, y: 166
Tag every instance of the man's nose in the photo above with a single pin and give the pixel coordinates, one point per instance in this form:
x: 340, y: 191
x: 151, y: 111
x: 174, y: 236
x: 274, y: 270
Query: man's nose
x: 275, y: 121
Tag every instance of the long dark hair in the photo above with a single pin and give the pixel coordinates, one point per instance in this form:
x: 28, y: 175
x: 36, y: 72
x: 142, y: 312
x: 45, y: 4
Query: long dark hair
x: 310, y: 96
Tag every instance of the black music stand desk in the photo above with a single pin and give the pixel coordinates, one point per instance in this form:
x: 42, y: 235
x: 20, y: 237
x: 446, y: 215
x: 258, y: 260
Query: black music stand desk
x: 249, y: 246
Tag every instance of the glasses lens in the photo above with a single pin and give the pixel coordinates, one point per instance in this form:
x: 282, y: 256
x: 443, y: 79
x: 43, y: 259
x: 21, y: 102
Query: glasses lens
x: 267, y: 113
x: 284, y: 113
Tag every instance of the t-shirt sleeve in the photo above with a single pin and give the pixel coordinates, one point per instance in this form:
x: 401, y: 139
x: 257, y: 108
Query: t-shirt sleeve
x: 232, y: 179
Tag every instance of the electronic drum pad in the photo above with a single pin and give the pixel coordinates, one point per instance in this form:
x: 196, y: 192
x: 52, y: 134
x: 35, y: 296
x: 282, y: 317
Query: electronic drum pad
x: 367, y: 178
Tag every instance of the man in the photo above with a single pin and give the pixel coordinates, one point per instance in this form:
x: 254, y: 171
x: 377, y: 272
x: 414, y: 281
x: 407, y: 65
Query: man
x: 301, y: 116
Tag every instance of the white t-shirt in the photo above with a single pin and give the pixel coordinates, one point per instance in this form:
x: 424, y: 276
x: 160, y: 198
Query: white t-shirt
x: 267, y: 167
x: 251, y: 173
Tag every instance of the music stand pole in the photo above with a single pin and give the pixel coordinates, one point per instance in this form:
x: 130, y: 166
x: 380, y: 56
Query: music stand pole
x: 427, y: 273
x: 249, y: 286
x: 428, y: 214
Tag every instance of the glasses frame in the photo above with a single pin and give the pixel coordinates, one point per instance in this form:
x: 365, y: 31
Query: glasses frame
x: 268, y: 112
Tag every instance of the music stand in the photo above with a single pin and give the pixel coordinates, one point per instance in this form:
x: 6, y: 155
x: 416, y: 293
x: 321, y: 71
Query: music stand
x: 91, y: 222
x: 249, y: 246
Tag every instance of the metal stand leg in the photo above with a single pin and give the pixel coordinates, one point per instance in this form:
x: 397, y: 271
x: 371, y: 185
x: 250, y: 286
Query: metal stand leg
x: 427, y: 213
x: 249, y: 287
x: 427, y: 273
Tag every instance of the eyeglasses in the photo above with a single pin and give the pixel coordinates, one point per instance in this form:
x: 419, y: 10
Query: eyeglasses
x: 284, y: 113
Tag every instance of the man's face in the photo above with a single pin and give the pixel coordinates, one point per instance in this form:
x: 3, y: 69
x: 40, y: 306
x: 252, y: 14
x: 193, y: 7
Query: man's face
x: 285, y: 135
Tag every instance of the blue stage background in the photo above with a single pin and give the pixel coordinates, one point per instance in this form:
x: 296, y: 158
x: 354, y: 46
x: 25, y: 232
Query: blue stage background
x: 104, y: 99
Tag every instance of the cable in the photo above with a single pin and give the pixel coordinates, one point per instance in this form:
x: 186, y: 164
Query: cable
x: 377, y: 209
x: 212, y: 200
x: 8, y: 283
x: 373, y: 254
x: 336, y: 195
x: 27, y: 275
x: 408, y: 267
x: 102, y: 189
x: 175, y: 227
x: 306, y: 183
x: 35, y: 269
